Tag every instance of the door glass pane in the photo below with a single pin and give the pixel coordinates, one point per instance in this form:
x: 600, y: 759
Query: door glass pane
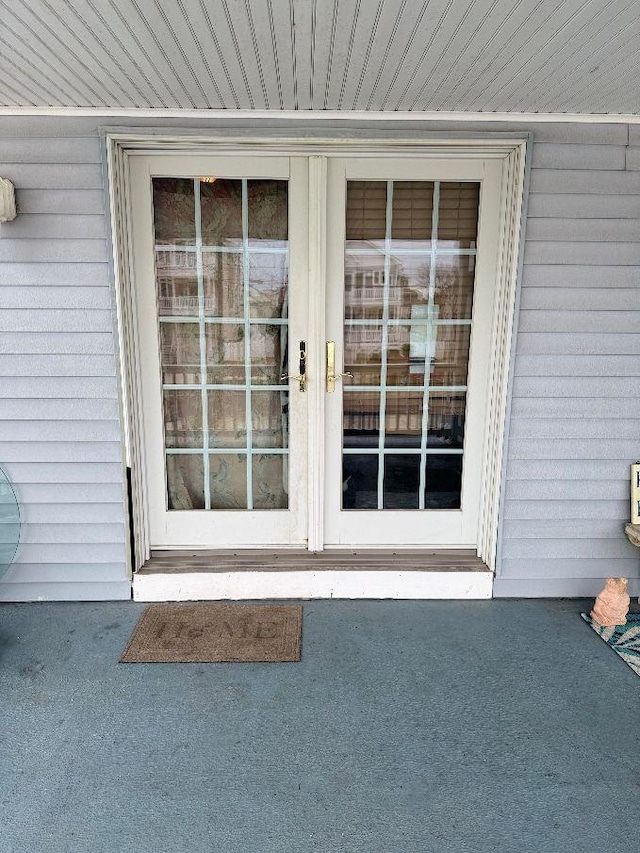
x: 225, y: 353
x: 182, y: 418
x: 221, y: 213
x: 361, y: 418
x: 270, y: 485
x: 268, y: 353
x: 222, y: 284
x: 228, y: 480
x: 360, y: 481
x: 268, y: 221
x: 408, y: 296
x: 401, y: 481
x: 221, y: 250
x: 269, y: 419
x: 185, y: 481
x: 174, y: 211
x: 180, y: 353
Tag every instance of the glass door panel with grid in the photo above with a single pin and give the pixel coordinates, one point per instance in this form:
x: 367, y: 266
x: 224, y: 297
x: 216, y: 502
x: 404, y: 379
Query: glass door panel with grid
x: 404, y: 427
x: 214, y: 304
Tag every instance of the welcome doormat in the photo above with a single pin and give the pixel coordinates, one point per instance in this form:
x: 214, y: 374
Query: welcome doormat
x: 204, y: 633
x: 623, y: 639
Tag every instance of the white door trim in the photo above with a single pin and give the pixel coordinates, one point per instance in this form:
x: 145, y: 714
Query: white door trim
x: 316, y: 325
x: 511, y: 150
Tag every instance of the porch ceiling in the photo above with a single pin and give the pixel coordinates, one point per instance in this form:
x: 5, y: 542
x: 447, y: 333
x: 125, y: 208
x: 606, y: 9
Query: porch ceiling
x: 557, y: 56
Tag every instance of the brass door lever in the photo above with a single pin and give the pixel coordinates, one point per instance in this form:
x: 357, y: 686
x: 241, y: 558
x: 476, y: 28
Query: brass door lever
x: 332, y: 376
x: 302, y: 367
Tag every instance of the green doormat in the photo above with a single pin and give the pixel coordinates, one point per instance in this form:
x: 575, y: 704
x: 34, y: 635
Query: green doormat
x: 623, y: 639
x: 184, y: 633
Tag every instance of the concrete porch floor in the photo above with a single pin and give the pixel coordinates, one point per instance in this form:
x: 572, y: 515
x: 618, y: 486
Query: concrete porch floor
x: 408, y: 727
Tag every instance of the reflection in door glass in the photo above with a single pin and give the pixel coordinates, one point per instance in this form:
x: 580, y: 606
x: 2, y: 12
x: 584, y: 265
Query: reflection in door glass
x: 408, y: 296
x: 221, y: 258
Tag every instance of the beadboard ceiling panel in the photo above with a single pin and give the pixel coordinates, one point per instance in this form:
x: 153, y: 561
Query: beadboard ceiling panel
x: 551, y: 56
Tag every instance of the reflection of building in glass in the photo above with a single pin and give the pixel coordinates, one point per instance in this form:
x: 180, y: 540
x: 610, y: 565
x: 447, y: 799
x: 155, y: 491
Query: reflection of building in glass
x: 417, y: 339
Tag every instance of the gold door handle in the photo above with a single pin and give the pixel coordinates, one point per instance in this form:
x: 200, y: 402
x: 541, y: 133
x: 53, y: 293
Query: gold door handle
x: 302, y: 367
x: 331, y: 368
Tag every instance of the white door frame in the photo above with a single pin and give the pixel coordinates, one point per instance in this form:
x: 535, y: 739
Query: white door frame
x: 509, y: 149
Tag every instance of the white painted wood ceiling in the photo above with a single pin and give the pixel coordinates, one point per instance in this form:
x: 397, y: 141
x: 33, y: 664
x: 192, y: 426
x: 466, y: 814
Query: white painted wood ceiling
x: 575, y: 56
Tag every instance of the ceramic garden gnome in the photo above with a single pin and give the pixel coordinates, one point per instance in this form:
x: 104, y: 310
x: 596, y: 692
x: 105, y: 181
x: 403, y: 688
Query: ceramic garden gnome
x: 612, y: 604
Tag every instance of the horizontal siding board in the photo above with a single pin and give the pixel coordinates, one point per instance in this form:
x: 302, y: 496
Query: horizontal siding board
x: 567, y: 490
x: 84, y: 149
x: 613, y: 322
x: 54, y: 573
x: 559, y: 549
x: 72, y: 552
x: 77, y: 202
x: 560, y: 587
x: 54, y: 275
x: 593, y: 565
x: 589, y: 528
x: 58, y: 387
x: 41, y: 298
x: 575, y: 387
x: 60, y: 451
x: 60, y: 430
x: 558, y: 407
x: 552, y: 155
x: 55, y: 534
x: 573, y: 448
x: 23, y: 127
x: 576, y: 365
x: 633, y: 159
x: 539, y: 464
x: 47, y: 226
x: 53, y: 251
x: 55, y: 320
x: 560, y: 206
x: 58, y: 365
x: 71, y: 513
x: 561, y: 510
x: 75, y: 493
x: 572, y: 253
x: 78, y: 343
x: 64, y: 472
x: 582, y: 134
x: 53, y: 176
x: 571, y: 229
x: 62, y: 410
x: 74, y: 591
x: 594, y: 428
x: 571, y: 343
x: 579, y: 275
x: 608, y: 182
x: 579, y: 298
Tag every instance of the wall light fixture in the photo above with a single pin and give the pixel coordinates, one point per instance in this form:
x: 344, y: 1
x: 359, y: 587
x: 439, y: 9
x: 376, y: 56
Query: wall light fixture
x: 7, y: 200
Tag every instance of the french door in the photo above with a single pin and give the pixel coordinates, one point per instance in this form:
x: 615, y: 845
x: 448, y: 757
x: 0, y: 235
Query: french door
x: 236, y: 370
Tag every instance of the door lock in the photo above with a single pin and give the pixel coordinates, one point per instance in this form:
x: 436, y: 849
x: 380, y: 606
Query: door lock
x: 332, y: 376
x: 302, y: 367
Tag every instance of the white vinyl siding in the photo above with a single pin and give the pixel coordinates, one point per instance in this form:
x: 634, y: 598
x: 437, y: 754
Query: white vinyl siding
x: 575, y: 418
x: 60, y: 434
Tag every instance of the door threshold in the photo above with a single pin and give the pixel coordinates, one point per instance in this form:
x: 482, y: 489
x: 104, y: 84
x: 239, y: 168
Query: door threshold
x: 257, y: 574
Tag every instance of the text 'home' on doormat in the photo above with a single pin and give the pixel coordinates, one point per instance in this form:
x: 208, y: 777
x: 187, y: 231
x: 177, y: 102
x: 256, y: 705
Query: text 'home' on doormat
x: 186, y: 633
